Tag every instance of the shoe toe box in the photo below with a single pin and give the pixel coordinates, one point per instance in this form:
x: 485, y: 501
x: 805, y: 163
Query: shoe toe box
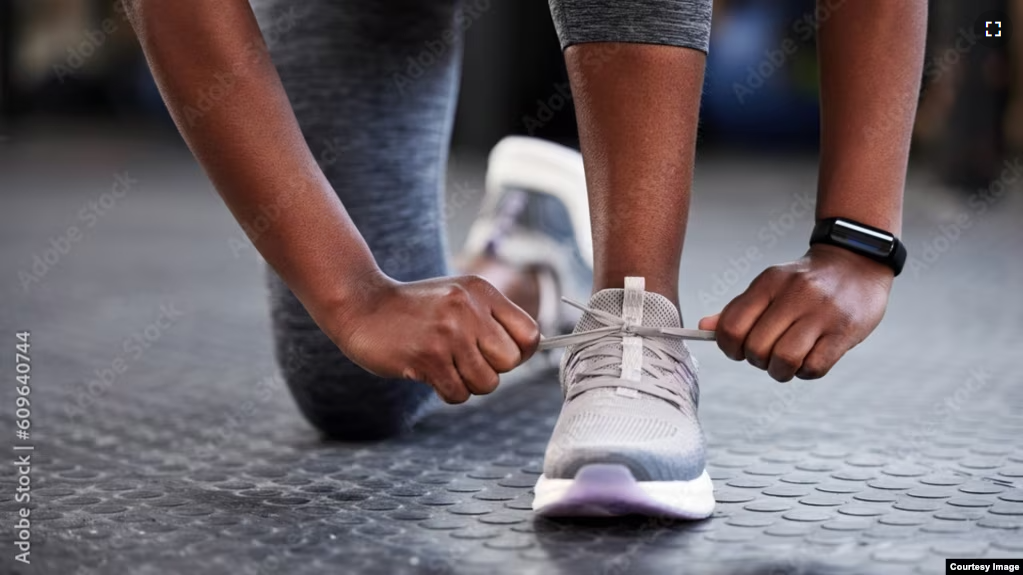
x: 654, y: 439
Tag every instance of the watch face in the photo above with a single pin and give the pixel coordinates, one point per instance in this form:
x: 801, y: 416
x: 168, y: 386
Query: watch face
x: 862, y: 239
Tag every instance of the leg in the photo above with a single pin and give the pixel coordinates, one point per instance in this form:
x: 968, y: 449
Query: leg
x: 376, y: 105
x: 636, y: 70
x: 628, y: 439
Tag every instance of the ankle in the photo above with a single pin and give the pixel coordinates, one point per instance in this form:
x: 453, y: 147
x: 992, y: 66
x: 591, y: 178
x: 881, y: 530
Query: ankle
x: 658, y: 284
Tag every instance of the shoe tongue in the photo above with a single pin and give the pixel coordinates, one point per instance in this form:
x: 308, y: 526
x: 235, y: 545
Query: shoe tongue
x: 658, y: 311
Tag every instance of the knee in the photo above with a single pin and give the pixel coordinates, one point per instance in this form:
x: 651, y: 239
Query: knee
x: 362, y: 410
x: 339, y: 398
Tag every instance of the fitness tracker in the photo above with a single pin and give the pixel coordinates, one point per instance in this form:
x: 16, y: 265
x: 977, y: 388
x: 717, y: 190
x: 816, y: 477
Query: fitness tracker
x: 867, y: 241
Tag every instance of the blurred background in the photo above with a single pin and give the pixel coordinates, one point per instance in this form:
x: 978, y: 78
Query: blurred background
x: 76, y: 62
x: 79, y: 109
x: 151, y: 329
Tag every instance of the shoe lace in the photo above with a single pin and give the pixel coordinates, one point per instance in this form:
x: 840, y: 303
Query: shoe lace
x: 600, y: 352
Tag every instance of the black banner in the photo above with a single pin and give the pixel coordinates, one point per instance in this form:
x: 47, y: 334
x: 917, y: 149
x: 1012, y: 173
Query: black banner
x: 960, y: 566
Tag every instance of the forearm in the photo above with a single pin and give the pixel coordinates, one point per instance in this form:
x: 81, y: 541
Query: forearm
x: 871, y: 55
x: 216, y: 76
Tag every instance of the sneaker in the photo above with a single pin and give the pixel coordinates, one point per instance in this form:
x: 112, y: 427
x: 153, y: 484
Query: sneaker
x: 628, y: 439
x: 535, y: 215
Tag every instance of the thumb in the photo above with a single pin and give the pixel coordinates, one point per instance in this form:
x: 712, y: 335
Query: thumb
x: 710, y: 322
x: 523, y: 329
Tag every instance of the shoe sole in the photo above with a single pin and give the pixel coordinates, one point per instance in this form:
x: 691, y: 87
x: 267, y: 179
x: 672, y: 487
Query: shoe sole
x: 609, y: 490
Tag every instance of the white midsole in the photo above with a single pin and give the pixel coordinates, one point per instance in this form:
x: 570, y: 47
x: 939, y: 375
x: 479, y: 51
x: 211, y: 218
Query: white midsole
x: 694, y: 497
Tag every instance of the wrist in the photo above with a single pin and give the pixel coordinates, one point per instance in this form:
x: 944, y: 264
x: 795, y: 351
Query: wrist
x: 864, y: 266
x: 872, y: 243
x: 337, y: 301
x: 357, y: 289
x: 876, y: 203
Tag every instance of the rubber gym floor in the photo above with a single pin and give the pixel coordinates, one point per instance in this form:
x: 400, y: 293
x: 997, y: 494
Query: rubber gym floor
x: 165, y: 441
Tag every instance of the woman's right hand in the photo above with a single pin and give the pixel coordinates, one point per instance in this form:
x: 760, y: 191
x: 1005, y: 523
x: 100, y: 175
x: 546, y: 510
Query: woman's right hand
x: 455, y: 334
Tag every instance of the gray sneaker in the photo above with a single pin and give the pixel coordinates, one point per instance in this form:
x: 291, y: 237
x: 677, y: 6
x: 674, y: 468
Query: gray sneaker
x: 535, y: 215
x: 628, y: 439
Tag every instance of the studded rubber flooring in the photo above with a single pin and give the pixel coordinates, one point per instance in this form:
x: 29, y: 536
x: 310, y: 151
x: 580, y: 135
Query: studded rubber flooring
x: 165, y: 441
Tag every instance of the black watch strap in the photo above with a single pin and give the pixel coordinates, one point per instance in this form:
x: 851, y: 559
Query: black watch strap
x: 867, y: 241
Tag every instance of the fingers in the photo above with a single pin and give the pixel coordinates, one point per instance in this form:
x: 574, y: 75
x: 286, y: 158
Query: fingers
x: 824, y: 355
x: 767, y: 330
x: 477, y: 375
x: 791, y: 349
x: 798, y: 319
x: 519, y: 326
x: 497, y: 347
x: 710, y: 322
x: 444, y: 379
x: 741, y: 314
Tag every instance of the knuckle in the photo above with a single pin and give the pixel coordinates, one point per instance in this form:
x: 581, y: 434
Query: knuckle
x: 444, y: 389
x: 781, y: 376
x: 532, y: 338
x: 458, y: 395
x: 488, y: 384
x: 477, y: 282
x: 729, y: 337
x: 448, y: 325
x: 457, y: 296
x: 771, y: 275
x: 814, y: 370
x: 801, y: 282
x: 733, y: 353
x: 730, y: 350
x: 787, y: 360
x: 812, y: 285
x: 507, y: 360
x: 844, y: 319
x: 756, y: 357
x: 434, y: 349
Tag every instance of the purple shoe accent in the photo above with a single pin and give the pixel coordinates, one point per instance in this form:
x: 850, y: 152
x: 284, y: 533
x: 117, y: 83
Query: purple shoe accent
x: 610, y: 490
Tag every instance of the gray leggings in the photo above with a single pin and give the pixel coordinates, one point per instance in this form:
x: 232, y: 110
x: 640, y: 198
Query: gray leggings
x: 381, y: 135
